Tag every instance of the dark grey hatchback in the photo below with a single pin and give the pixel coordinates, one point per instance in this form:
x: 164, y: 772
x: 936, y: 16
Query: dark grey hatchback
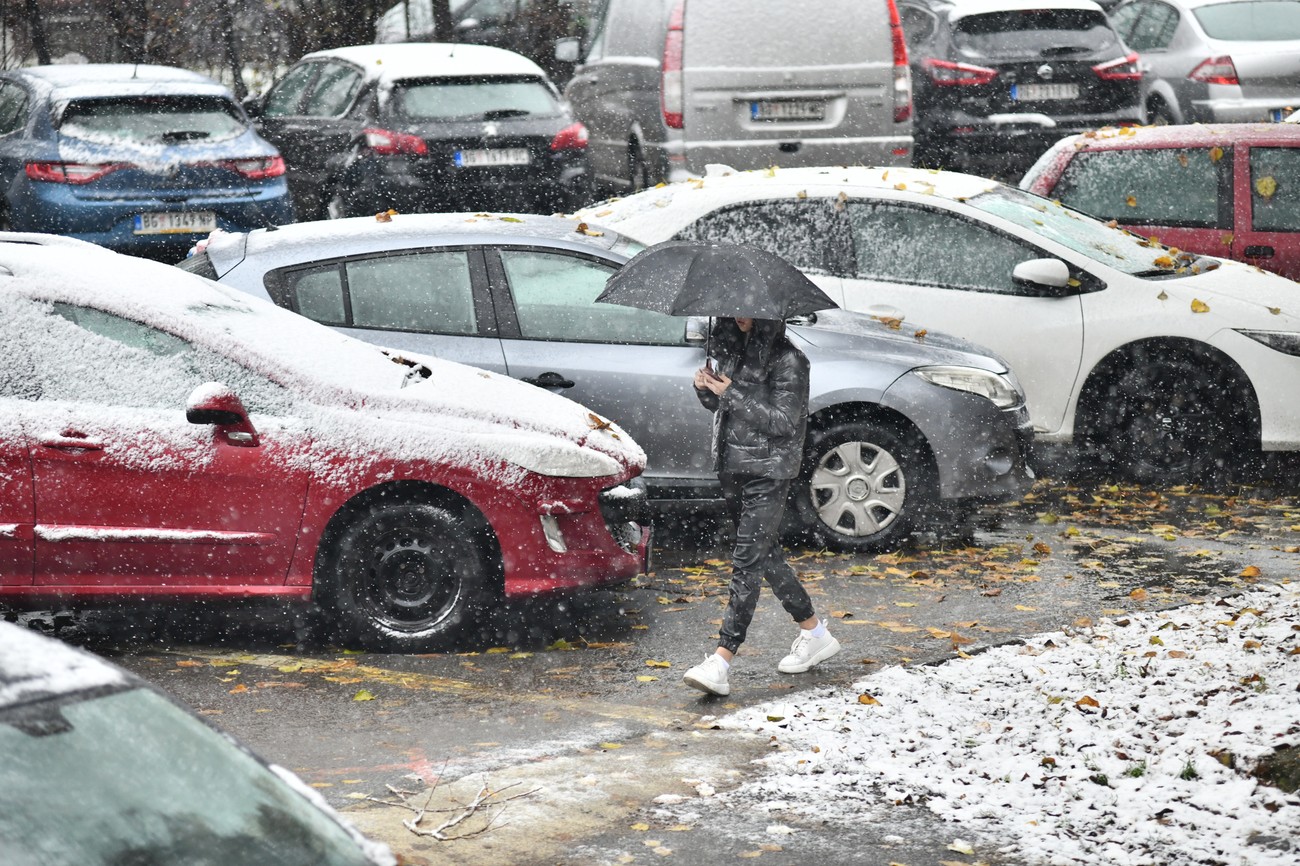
x: 420, y: 127
x: 992, y: 76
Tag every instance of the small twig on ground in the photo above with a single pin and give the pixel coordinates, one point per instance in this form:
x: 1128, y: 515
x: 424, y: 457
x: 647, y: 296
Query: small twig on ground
x: 485, y: 799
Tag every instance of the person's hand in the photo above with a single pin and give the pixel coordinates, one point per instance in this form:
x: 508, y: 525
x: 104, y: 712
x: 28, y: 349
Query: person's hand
x: 718, y: 383
x: 702, y: 379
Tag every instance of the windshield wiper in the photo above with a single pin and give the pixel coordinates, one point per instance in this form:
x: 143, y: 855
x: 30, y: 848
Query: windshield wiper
x: 502, y: 113
x: 173, y: 136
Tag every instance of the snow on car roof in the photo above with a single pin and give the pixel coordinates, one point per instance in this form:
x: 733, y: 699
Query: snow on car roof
x: 80, y: 81
x: 392, y: 61
x: 964, y: 8
x: 355, y: 390
x: 1187, y: 135
x: 645, y: 216
x: 34, y: 666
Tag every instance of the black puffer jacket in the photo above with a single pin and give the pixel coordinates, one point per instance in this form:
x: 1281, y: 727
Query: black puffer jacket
x: 760, y: 420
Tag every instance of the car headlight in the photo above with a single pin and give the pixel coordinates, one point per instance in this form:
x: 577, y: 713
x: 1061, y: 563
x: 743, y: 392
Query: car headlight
x: 973, y: 380
x: 1286, y: 342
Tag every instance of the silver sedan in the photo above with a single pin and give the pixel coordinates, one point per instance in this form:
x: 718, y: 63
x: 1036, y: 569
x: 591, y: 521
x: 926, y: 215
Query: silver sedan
x: 904, y: 425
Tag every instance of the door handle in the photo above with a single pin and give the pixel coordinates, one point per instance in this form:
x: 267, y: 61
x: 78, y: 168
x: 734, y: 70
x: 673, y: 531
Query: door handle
x: 1258, y: 252
x: 549, y: 380
x: 73, y: 444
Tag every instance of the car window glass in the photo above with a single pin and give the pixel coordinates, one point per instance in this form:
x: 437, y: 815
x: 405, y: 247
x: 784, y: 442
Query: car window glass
x: 92, y: 356
x: 803, y: 232
x: 1155, y: 29
x: 1275, y: 189
x: 152, y: 119
x: 1261, y: 21
x: 1164, y: 186
x: 1044, y: 33
x: 917, y: 25
x: 285, y: 96
x: 1123, y: 18
x: 13, y: 108
x: 897, y: 243
x: 318, y: 295
x: 429, y: 292
x: 555, y: 295
x: 474, y: 99
x: 333, y: 92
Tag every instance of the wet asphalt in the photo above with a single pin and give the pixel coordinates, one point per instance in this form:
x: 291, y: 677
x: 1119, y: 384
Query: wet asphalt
x: 571, y: 714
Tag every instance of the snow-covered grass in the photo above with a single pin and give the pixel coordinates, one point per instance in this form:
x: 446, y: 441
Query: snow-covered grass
x: 1130, y: 740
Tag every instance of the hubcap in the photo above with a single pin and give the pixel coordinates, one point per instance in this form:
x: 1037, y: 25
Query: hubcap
x: 858, y: 489
x: 411, y: 583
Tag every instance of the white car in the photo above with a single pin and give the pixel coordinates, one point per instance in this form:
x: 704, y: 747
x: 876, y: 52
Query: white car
x: 1163, y: 363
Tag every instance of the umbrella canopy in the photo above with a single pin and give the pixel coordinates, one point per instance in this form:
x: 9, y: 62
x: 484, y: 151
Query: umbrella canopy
x: 695, y: 278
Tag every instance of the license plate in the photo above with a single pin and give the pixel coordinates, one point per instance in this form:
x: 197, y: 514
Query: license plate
x: 787, y: 109
x: 175, y: 222
x: 1043, y: 92
x: 1278, y: 115
x: 492, y: 156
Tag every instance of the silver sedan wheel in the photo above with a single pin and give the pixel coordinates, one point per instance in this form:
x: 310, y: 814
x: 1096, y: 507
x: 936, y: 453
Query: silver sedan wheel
x: 858, y: 489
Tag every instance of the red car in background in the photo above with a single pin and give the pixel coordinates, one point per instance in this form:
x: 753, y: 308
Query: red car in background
x: 1227, y: 190
x: 165, y: 437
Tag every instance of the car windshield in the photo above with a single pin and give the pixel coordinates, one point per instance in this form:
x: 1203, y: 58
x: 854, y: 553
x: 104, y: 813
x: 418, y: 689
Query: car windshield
x: 1099, y: 241
x: 474, y: 98
x: 1264, y: 21
x: 104, y: 779
x: 1033, y: 32
x: 152, y: 119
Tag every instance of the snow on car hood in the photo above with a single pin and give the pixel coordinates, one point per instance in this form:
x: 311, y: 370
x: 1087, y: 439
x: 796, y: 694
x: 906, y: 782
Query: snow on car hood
x: 1237, y: 295
x: 905, y: 343
x: 352, y: 393
x: 32, y: 666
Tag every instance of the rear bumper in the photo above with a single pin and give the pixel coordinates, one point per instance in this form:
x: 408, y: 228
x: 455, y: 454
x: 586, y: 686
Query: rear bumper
x: 687, y: 158
x: 993, y: 133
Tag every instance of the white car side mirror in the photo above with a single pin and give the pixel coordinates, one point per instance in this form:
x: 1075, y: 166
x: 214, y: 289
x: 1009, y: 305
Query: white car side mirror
x: 567, y: 49
x: 1050, y: 273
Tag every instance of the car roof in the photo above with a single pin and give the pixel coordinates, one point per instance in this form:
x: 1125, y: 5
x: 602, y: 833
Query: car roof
x: 398, y: 231
x: 1189, y: 135
x: 81, y: 80
x: 394, y: 61
x: 964, y: 8
x: 33, y: 666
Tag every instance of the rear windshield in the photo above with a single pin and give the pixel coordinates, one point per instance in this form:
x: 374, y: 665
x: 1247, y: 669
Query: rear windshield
x: 1033, y: 32
x: 153, y: 119
x: 474, y: 98
x: 1264, y: 21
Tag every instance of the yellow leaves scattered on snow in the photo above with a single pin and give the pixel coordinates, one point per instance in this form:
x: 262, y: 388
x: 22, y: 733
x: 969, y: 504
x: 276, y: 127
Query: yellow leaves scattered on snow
x: 868, y: 700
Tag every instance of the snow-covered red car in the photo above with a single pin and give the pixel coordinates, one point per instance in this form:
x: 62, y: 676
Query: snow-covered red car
x: 163, y: 436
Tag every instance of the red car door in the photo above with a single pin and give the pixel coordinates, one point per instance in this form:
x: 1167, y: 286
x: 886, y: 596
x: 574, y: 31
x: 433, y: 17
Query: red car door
x: 15, y: 497
x: 1268, y: 208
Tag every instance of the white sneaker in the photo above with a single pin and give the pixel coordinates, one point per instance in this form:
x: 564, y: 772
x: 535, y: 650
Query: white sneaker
x: 709, y: 676
x: 807, y: 651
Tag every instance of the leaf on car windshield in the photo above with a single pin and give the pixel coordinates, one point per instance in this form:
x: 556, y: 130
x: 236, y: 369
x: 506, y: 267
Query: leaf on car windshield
x: 1131, y: 201
x: 1163, y: 262
x: 1216, y: 154
x: 1199, y: 306
x: 1183, y: 160
x: 1266, y: 186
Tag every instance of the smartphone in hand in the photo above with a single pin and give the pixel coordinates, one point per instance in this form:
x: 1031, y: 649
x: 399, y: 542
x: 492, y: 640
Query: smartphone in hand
x: 709, y: 371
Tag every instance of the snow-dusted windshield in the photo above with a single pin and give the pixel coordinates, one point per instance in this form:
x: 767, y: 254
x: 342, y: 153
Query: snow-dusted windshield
x: 148, y: 783
x: 152, y: 119
x: 1089, y: 237
x: 474, y: 98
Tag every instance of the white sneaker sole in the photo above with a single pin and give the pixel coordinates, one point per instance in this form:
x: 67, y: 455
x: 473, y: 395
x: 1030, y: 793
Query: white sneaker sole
x: 720, y: 689
x: 816, y: 659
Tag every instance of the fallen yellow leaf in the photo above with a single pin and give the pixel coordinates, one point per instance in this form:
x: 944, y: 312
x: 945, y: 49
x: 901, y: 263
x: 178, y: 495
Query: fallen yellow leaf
x: 363, y: 695
x: 1199, y: 306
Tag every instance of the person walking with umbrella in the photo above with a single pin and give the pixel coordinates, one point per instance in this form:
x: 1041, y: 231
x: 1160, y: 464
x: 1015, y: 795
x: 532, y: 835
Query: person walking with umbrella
x: 759, y: 396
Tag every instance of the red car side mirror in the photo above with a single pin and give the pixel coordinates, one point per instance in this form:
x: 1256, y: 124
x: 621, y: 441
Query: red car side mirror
x: 216, y: 404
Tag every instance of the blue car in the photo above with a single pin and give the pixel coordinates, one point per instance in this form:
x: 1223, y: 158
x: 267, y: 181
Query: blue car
x: 141, y: 159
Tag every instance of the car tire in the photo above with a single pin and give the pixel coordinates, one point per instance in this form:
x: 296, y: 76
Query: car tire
x: 865, y: 486
x: 334, y: 208
x: 1168, y: 419
x: 637, y: 171
x: 1160, y: 114
x: 406, y: 577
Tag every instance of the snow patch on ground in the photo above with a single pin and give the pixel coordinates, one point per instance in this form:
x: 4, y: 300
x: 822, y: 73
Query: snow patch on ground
x: 1109, y: 742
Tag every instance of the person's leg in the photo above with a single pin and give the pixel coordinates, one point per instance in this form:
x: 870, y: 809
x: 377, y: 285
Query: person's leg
x: 711, y: 674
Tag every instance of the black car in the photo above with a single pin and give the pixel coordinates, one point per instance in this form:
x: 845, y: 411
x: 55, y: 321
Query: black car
x: 999, y: 76
x: 418, y: 127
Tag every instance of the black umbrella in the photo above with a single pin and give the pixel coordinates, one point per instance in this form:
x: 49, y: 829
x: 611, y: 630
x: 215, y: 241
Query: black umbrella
x: 693, y: 278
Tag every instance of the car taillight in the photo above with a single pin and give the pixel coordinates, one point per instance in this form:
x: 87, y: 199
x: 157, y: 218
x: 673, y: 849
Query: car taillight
x: 1123, y: 69
x: 384, y: 142
x: 1215, y: 70
x: 71, y: 172
x: 256, y: 168
x: 902, y: 75
x: 572, y: 137
x: 945, y: 73
x: 671, y: 98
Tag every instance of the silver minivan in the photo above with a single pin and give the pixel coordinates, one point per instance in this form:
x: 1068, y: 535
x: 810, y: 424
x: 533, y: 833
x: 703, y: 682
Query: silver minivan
x: 669, y: 86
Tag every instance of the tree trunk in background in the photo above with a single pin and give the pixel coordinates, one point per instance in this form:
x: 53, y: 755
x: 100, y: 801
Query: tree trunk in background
x: 34, y: 20
x: 226, y: 23
x: 442, y: 21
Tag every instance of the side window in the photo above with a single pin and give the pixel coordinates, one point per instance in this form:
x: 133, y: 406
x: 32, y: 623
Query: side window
x: 902, y: 244
x: 1275, y: 189
x: 13, y: 108
x: 1184, y: 187
x: 91, y: 356
x: 555, y: 298
x: 334, y: 90
x: 318, y: 295
x: 807, y: 233
x: 429, y: 292
x: 284, y: 98
x: 1155, y: 29
x: 1123, y: 19
x: 918, y: 26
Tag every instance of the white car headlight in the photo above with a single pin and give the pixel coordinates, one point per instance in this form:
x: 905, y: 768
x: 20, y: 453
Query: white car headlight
x: 1286, y: 342
x: 973, y: 380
